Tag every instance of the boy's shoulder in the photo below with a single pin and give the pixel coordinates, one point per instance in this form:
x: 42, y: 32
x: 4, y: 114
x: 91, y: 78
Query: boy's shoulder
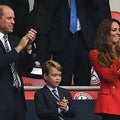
x: 63, y: 89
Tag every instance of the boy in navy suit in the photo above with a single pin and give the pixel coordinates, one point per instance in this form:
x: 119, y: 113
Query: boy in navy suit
x: 53, y: 102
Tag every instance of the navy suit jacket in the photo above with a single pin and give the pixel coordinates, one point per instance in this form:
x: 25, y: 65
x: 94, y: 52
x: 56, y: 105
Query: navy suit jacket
x: 23, y: 62
x: 52, y: 17
x: 46, y: 106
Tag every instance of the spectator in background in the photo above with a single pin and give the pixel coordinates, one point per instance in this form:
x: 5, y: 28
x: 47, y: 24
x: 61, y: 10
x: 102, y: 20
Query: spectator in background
x: 105, y: 58
x: 51, y: 18
x: 21, y: 9
x: 40, y: 19
x: 15, y: 57
x: 50, y: 105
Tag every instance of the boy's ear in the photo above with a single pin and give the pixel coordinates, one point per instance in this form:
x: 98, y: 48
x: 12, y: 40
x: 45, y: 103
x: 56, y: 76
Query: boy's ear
x: 45, y: 76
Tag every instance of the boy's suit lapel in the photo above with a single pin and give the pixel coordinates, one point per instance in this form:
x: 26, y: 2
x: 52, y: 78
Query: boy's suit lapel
x: 50, y: 95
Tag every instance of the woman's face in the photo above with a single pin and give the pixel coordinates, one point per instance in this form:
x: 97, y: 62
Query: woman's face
x: 115, y: 32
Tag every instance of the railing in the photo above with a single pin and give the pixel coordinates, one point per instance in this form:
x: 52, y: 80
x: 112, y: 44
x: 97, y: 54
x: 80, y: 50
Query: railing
x: 89, y: 88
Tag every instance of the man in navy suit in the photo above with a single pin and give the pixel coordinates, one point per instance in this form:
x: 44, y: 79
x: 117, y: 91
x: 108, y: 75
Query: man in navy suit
x: 15, y: 57
x: 53, y: 102
x: 51, y: 18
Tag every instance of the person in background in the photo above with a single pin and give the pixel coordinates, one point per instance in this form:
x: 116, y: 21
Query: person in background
x: 53, y: 102
x: 56, y: 39
x: 21, y: 9
x: 105, y: 58
x: 40, y: 19
x: 15, y: 57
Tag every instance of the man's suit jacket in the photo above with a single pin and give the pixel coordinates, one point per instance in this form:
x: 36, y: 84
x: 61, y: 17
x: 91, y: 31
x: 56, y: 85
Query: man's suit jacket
x: 53, y: 17
x: 6, y: 78
x: 46, y: 106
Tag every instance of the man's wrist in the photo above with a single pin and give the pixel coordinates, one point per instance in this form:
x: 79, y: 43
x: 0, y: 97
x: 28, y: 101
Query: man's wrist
x: 18, y: 49
x: 29, y: 47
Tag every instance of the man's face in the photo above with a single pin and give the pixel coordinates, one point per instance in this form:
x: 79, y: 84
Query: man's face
x: 7, y: 20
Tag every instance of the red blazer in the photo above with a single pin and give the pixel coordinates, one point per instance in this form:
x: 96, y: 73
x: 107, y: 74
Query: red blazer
x: 108, y: 100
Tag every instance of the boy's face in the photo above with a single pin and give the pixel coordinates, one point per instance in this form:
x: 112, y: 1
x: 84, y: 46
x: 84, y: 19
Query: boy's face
x: 53, y: 79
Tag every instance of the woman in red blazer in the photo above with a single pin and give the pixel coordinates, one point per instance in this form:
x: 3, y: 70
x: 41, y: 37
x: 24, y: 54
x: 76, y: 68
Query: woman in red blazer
x: 105, y: 59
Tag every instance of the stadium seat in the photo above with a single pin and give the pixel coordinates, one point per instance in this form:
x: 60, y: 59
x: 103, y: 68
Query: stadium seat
x: 115, y: 14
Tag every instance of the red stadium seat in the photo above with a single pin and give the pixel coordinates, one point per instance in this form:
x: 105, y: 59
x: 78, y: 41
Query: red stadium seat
x: 115, y: 14
x: 29, y: 81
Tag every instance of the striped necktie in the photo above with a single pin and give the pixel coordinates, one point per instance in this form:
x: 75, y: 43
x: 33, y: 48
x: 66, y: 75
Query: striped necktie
x: 58, y: 99
x: 56, y: 95
x: 16, y: 79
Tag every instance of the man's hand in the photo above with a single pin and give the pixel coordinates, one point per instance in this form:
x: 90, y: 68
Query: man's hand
x: 26, y: 40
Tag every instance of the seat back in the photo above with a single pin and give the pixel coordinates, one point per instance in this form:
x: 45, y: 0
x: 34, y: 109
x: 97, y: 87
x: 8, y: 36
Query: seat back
x: 115, y: 15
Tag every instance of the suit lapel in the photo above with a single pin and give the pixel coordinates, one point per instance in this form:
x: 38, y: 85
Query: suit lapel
x: 1, y: 45
x: 49, y: 94
x: 12, y: 41
x: 61, y: 95
x: 67, y: 5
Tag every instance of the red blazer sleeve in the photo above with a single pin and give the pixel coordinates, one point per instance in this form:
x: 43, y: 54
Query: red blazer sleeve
x: 110, y: 74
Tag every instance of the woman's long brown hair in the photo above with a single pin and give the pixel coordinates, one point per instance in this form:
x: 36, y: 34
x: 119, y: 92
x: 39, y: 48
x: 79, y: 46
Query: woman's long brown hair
x: 103, y: 43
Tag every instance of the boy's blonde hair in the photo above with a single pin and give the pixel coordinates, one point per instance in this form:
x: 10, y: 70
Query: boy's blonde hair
x: 49, y: 64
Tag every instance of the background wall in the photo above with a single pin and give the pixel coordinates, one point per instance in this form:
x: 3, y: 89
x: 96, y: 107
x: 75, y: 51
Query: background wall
x: 114, y: 4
